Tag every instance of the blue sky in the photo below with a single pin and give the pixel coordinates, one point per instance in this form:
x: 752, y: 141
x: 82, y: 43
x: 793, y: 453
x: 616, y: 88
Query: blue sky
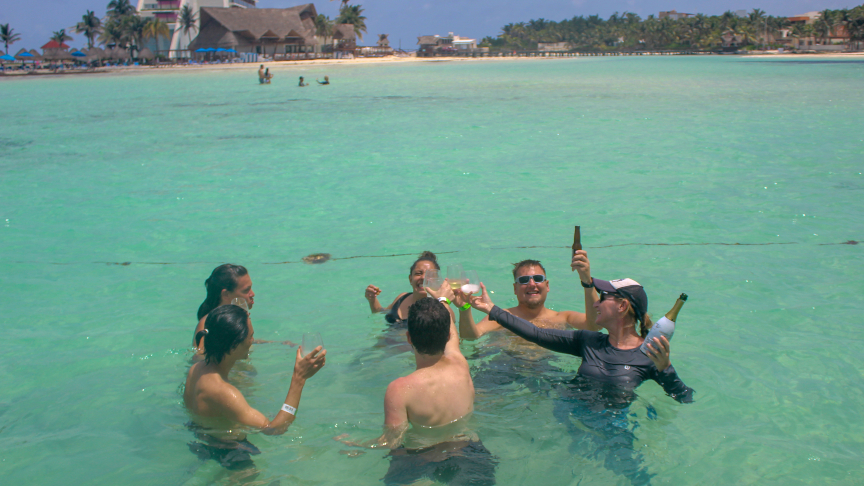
x: 404, y: 20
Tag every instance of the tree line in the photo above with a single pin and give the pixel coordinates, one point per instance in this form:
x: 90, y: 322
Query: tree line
x: 124, y: 28
x: 629, y: 31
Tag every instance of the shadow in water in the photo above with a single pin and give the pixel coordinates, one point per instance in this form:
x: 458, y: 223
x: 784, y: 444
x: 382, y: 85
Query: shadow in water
x: 597, y: 415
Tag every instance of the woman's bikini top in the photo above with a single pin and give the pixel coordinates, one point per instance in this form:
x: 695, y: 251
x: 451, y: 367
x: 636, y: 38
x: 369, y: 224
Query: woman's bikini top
x: 393, y: 316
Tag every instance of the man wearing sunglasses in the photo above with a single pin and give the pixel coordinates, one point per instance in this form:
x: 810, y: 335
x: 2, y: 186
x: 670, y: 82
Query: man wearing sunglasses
x: 531, y: 287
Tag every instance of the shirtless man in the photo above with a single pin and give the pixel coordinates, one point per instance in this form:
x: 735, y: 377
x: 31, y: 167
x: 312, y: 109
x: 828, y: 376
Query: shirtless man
x: 261, y: 74
x: 433, y: 399
x: 218, y: 408
x: 531, y: 287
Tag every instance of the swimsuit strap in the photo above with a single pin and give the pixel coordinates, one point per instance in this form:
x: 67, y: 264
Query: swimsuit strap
x: 393, y: 316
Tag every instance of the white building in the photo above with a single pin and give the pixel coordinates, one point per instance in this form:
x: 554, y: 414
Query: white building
x: 169, y: 10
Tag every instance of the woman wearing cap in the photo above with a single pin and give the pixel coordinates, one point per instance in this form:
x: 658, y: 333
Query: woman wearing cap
x: 614, y: 358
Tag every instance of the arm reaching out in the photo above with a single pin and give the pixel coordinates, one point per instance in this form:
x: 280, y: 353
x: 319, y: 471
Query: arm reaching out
x: 235, y: 407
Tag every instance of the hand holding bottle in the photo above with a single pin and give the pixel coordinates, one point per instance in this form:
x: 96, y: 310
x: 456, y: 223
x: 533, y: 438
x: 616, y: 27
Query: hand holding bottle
x: 581, y: 264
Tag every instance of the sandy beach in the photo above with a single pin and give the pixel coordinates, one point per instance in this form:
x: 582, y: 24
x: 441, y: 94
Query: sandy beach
x: 373, y: 60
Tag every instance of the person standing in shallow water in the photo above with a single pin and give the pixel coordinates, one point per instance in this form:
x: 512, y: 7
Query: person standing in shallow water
x: 261, y: 74
x: 226, y: 283
x: 326, y: 80
x: 435, y: 401
x: 218, y: 408
x: 302, y: 84
x: 398, y: 310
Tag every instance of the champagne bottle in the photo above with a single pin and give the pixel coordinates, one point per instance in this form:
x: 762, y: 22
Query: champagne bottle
x: 663, y: 327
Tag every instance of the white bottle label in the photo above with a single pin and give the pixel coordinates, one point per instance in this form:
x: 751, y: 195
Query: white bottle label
x: 663, y: 327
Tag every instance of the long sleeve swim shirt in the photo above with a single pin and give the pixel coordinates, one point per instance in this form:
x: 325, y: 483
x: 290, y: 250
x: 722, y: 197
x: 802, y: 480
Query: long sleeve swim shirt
x: 626, y: 368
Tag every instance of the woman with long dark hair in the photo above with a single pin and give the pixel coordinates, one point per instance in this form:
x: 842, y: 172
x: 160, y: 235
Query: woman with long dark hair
x: 226, y: 283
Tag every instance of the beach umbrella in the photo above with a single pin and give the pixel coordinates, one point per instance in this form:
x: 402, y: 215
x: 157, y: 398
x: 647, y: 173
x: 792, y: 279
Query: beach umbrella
x: 221, y: 50
x: 79, y: 54
x: 146, y: 54
x: 231, y: 51
x: 7, y: 57
x: 209, y: 49
x: 201, y: 50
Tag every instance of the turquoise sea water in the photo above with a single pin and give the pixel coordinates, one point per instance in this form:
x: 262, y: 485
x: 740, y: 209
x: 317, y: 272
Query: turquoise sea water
x: 486, y: 163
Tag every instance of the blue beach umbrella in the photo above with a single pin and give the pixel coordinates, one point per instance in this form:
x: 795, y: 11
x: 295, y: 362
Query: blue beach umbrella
x: 221, y: 50
x: 79, y: 54
x: 25, y: 54
x: 231, y: 50
x: 7, y: 57
x: 199, y: 51
x: 209, y: 49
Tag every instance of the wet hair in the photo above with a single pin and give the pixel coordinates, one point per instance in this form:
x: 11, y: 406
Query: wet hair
x: 223, y: 277
x: 429, y: 326
x: 226, y: 327
x: 645, y: 322
x: 526, y: 263
x: 426, y: 256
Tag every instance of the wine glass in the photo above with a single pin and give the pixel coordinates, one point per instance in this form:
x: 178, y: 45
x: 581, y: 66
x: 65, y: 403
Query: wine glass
x: 241, y: 303
x: 311, y: 340
x: 432, y: 279
x: 471, y: 283
x: 456, y: 276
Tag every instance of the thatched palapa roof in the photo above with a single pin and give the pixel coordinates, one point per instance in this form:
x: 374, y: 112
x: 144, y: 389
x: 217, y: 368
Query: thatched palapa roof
x: 230, y: 27
x: 426, y: 40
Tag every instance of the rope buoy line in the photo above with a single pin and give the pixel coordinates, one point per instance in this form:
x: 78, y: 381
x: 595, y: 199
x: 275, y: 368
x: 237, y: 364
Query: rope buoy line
x: 318, y: 258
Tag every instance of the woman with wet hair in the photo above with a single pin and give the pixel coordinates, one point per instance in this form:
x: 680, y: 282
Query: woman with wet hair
x: 226, y: 283
x: 397, y: 314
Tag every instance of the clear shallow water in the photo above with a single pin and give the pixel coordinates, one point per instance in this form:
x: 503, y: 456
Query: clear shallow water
x: 196, y: 168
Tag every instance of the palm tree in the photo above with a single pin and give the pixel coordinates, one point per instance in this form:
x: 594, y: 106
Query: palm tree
x: 324, y: 27
x: 60, y: 36
x: 154, y: 29
x: 113, y: 33
x: 120, y: 8
x: 90, y: 26
x: 351, y: 14
x: 187, y: 21
x: 134, y: 26
x: 8, y: 36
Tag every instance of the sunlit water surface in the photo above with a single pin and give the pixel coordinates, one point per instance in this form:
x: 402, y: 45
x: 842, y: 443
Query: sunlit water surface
x: 486, y: 163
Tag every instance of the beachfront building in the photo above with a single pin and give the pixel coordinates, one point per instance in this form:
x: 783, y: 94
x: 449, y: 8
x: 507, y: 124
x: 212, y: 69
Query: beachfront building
x: 435, y: 45
x: 673, y: 15
x: 833, y: 42
x: 169, y: 10
x: 278, y: 33
x: 554, y: 46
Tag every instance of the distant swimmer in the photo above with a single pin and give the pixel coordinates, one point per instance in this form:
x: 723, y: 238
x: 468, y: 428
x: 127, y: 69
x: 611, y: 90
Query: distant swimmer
x: 302, y: 83
x: 261, y: 78
x: 218, y: 408
x: 326, y: 80
x: 398, y: 310
x: 434, y: 401
x: 531, y: 288
x: 614, y: 358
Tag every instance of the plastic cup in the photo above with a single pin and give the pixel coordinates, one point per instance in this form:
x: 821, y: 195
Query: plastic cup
x: 311, y: 340
x: 241, y: 303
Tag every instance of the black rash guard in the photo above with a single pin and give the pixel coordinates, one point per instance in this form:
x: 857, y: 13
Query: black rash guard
x: 626, y: 368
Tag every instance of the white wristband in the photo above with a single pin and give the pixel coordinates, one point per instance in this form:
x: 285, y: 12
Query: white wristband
x: 289, y: 409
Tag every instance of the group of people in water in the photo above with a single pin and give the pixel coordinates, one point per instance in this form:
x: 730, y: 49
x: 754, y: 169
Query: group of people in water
x: 265, y: 76
x: 439, y: 393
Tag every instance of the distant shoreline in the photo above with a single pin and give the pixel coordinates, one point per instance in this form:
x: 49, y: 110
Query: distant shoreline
x: 362, y: 61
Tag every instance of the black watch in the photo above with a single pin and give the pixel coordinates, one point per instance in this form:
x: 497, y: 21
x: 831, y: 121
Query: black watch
x: 587, y: 286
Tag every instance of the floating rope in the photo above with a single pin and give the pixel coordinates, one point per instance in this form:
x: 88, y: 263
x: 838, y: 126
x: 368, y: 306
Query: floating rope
x: 318, y: 258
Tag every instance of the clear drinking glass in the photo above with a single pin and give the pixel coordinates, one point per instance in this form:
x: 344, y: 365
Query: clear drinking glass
x: 456, y: 276
x: 240, y: 302
x: 311, y: 340
x: 433, y: 279
x: 472, y: 282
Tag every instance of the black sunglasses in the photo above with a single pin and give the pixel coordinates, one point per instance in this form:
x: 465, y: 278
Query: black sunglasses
x: 524, y: 279
x: 608, y: 295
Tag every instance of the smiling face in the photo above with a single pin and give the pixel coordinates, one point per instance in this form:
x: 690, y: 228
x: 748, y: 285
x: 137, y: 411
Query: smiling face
x: 242, y: 290
x: 532, y: 294
x: 416, y: 276
x: 610, y: 310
